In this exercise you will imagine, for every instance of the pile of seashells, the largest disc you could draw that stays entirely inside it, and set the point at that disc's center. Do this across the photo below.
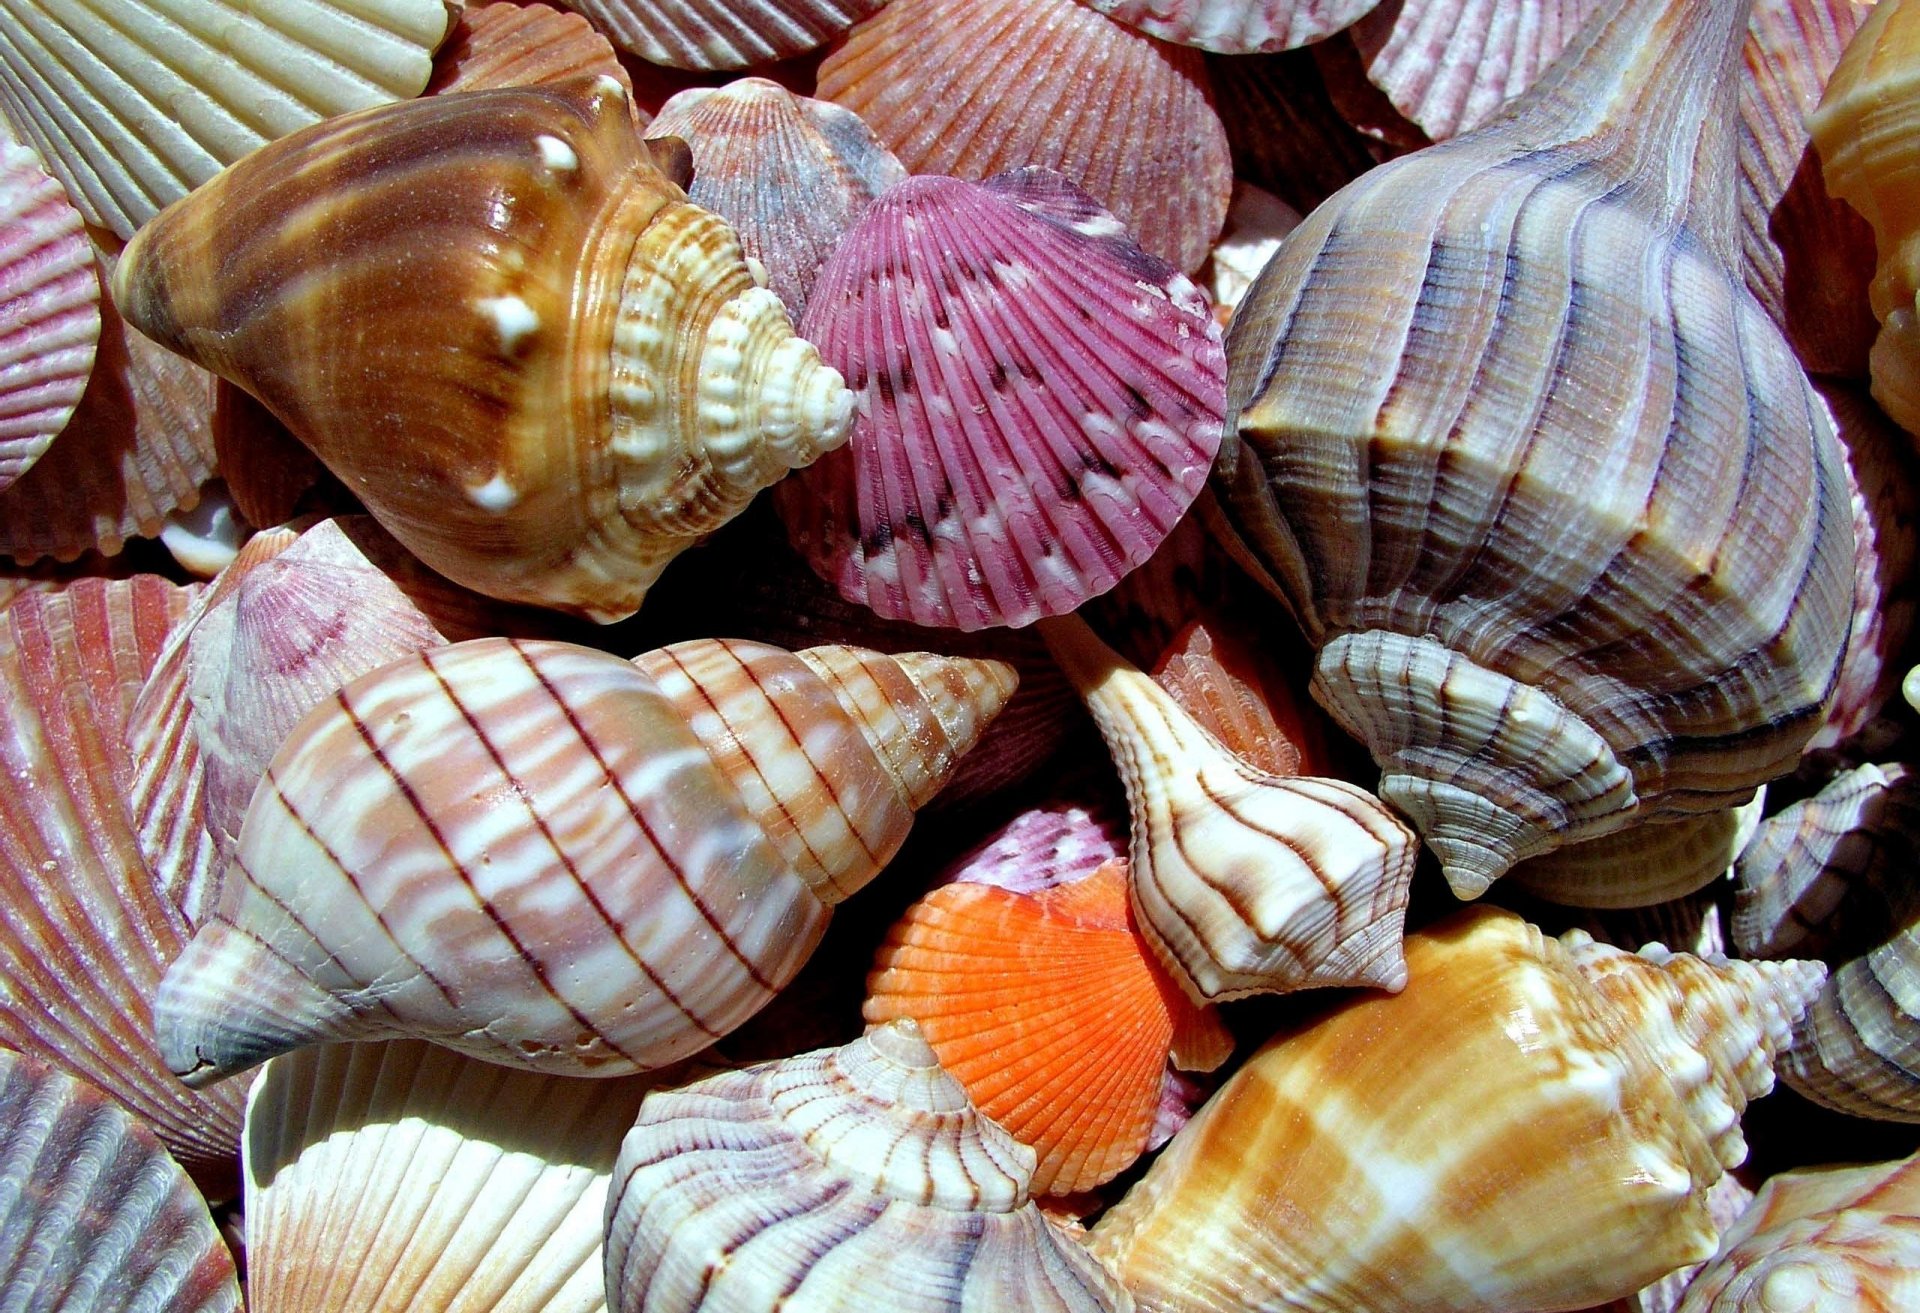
(421, 863)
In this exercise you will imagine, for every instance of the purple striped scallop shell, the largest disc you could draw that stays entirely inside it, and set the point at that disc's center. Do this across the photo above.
(49, 309)
(709, 34)
(1038, 401)
(1237, 27)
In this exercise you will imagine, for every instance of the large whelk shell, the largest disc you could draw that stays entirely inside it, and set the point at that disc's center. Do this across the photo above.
(85, 929)
(49, 309)
(709, 34)
(1243, 882)
(972, 88)
(1573, 545)
(1641, 865)
(1532, 1124)
(1039, 400)
(134, 112)
(790, 173)
(545, 856)
(844, 1179)
(1822, 1240)
(577, 377)
(94, 1216)
(401, 1178)
(1237, 27)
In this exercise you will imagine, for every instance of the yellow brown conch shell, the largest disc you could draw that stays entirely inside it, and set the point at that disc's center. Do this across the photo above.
(497, 319)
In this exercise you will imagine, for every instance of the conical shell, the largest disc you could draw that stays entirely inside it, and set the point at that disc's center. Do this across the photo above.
(1858, 1051)
(1573, 544)
(401, 1178)
(790, 173)
(511, 44)
(545, 856)
(973, 88)
(1644, 864)
(1823, 1240)
(843, 1179)
(1237, 27)
(94, 1216)
(605, 383)
(1528, 1126)
(1049, 1009)
(85, 929)
(711, 34)
(49, 309)
(1039, 400)
(135, 103)
(1243, 882)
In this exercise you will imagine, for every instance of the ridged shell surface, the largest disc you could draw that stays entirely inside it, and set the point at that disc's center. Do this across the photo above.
(577, 375)
(49, 309)
(1645, 864)
(95, 1217)
(1237, 27)
(545, 856)
(972, 88)
(133, 103)
(402, 1178)
(1532, 1124)
(790, 173)
(1572, 542)
(1038, 400)
(843, 1179)
(712, 34)
(1858, 1050)
(86, 930)
(521, 45)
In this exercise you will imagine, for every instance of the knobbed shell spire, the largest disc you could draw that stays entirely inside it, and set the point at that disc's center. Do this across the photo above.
(843, 1179)
(1244, 882)
(559, 372)
(545, 856)
(1545, 486)
(1532, 1124)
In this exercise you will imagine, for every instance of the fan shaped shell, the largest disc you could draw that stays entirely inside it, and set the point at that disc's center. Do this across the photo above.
(508, 44)
(1237, 27)
(713, 34)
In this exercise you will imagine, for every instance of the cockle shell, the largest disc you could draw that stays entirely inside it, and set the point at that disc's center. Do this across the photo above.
(1048, 83)
(844, 1179)
(1237, 27)
(86, 931)
(1532, 1124)
(1572, 549)
(1824, 1240)
(513, 44)
(1243, 882)
(94, 1216)
(1640, 865)
(402, 1178)
(135, 108)
(1039, 400)
(49, 309)
(711, 34)
(577, 377)
(545, 856)
(790, 173)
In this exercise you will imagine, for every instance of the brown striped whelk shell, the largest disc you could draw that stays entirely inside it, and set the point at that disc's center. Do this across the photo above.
(1237, 27)
(134, 112)
(604, 382)
(1533, 1124)
(1560, 570)
(1243, 882)
(94, 1215)
(545, 856)
(1046, 82)
(839, 1180)
(402, 1178)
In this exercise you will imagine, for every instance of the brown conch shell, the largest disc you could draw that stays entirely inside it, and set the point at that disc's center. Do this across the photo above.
(836, 1181)
(1573, 544)
(560, 373)
(545, 856)
(1533, 1124)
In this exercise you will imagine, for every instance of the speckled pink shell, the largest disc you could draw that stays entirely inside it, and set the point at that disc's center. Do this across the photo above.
(1237, 27)
(1038, 401)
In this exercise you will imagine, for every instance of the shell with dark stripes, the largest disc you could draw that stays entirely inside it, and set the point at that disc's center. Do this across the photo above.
(1538, 476)
(546, 856)
(843, 1179)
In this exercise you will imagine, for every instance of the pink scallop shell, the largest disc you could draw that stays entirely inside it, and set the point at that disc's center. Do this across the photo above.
(790, 173)
(971, 88)
(1038, 403)
(1237, 27)
(49, 310)
(709, 34)
(1058, 842)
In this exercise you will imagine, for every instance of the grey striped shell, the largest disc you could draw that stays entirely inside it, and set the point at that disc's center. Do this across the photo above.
(844, 1179)
(1544, 483)
(546, 856)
